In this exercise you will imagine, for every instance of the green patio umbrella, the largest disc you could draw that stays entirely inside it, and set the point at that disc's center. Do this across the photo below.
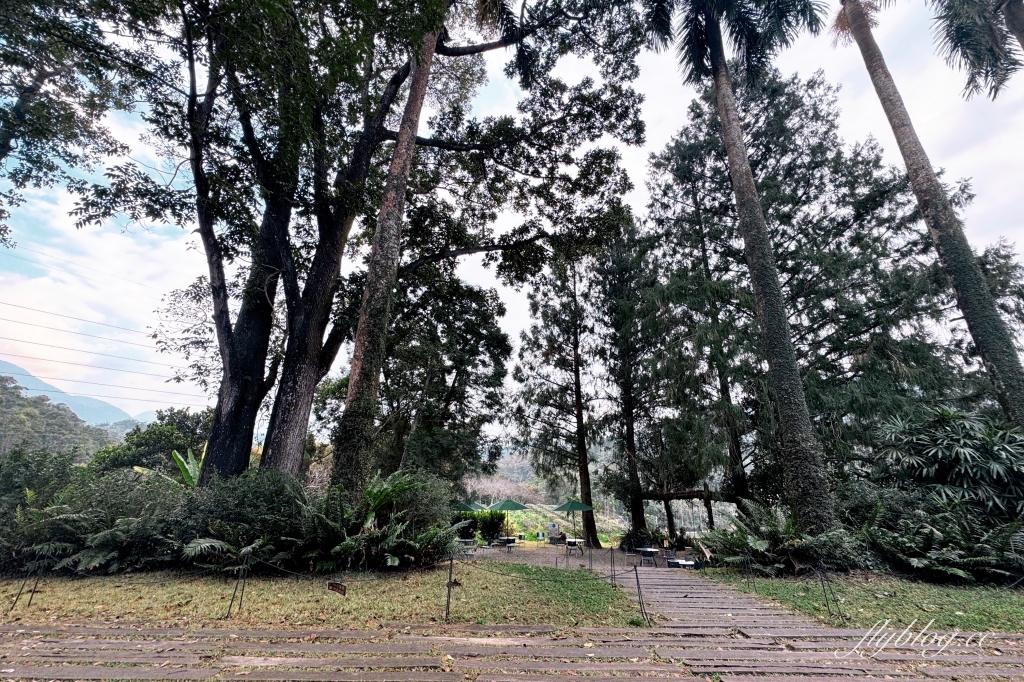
(573, 506)
(464, 507)
(477, 506)
(507, 506)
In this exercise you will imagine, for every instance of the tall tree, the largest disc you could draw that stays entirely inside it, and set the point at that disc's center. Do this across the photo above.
(758, 28)
(552, 26)
(988, 329)
(555, 412)
(622, 280)
(355, 430)
(858, 272)
(442, 381)
(282, 84)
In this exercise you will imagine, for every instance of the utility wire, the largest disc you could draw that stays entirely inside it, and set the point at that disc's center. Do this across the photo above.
(116, 397)
(82, 364)
(73, 274)
(68, 331)
(79, 319)
(96, 383)
(85, 267)
(89, 352)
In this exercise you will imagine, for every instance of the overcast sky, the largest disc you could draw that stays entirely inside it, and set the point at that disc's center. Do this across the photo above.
(106, 274)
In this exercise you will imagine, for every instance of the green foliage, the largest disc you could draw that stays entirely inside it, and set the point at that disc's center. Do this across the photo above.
(958, 457)
(767, 540)
(643, 537)
(122, 521)
(948, 541)
(391, 526)
(190, 467)
(30, 423)
(152, 447)
(35, 474)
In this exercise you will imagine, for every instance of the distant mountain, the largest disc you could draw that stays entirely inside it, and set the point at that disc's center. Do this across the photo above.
(35, 422)
(145, 417)
(89, 410)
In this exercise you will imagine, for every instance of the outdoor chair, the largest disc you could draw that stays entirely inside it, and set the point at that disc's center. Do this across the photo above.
(648, 556)
(510, 544)
(630, 554)
(670, 552)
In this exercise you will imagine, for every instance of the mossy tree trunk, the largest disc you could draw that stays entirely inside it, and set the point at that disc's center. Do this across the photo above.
(806, 484)
(991, 336)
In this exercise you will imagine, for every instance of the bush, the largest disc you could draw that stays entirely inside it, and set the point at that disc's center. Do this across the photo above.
(767, 540)
(82, 520)
(947, 540)
(490, 523)
(151, 447)
(469, 524)
(958, 457)
(36, 474)
(634, 538)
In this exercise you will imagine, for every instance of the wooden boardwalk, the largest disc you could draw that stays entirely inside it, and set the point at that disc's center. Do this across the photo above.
(703, 630)
(758, 642)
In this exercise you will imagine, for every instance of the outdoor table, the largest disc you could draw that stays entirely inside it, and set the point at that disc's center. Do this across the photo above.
(680, 563)
(574, 543)
(509, 542)
(648, 554)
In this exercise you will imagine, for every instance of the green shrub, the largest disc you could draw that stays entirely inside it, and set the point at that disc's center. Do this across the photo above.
(39, 473)
(633, 538)
(768, 541)
(958, 457)
(470, 524)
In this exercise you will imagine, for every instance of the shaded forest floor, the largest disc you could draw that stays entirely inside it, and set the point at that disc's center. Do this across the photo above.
(865, 598)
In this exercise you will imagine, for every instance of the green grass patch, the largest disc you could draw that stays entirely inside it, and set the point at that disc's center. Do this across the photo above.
(504, 593)
(866, 598)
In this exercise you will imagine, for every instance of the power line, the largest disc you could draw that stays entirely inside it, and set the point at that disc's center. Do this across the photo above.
(119, 397)
(68, 331)
(89, 352)
(73, 274)
(46, 312)
(95, 383)
(81, 364)
(85, 267)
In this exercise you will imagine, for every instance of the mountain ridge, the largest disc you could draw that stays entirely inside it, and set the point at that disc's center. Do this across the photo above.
(90, 410)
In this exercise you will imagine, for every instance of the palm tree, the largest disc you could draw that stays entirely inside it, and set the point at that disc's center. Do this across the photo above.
(977, 36)
(988, 330)
(758, 28)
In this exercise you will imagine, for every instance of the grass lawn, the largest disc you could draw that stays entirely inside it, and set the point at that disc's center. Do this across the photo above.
(867, 598)
(520, 595)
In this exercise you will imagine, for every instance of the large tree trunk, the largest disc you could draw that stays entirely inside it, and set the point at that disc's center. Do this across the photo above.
(243, 385)
(582, 459)
(806, 484)
(355, 430)
(1013, 14)
(670, 519)
(308, 355)
(988, 330)
(637, 518)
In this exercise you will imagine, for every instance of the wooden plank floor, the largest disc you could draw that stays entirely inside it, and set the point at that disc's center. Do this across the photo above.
(703, 630)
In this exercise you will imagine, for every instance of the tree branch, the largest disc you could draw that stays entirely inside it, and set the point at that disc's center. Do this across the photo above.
(465, 251)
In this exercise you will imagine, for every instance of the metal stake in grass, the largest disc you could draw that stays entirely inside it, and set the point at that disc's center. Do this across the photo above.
(640, 597)
(448, 603)
(239, 579)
